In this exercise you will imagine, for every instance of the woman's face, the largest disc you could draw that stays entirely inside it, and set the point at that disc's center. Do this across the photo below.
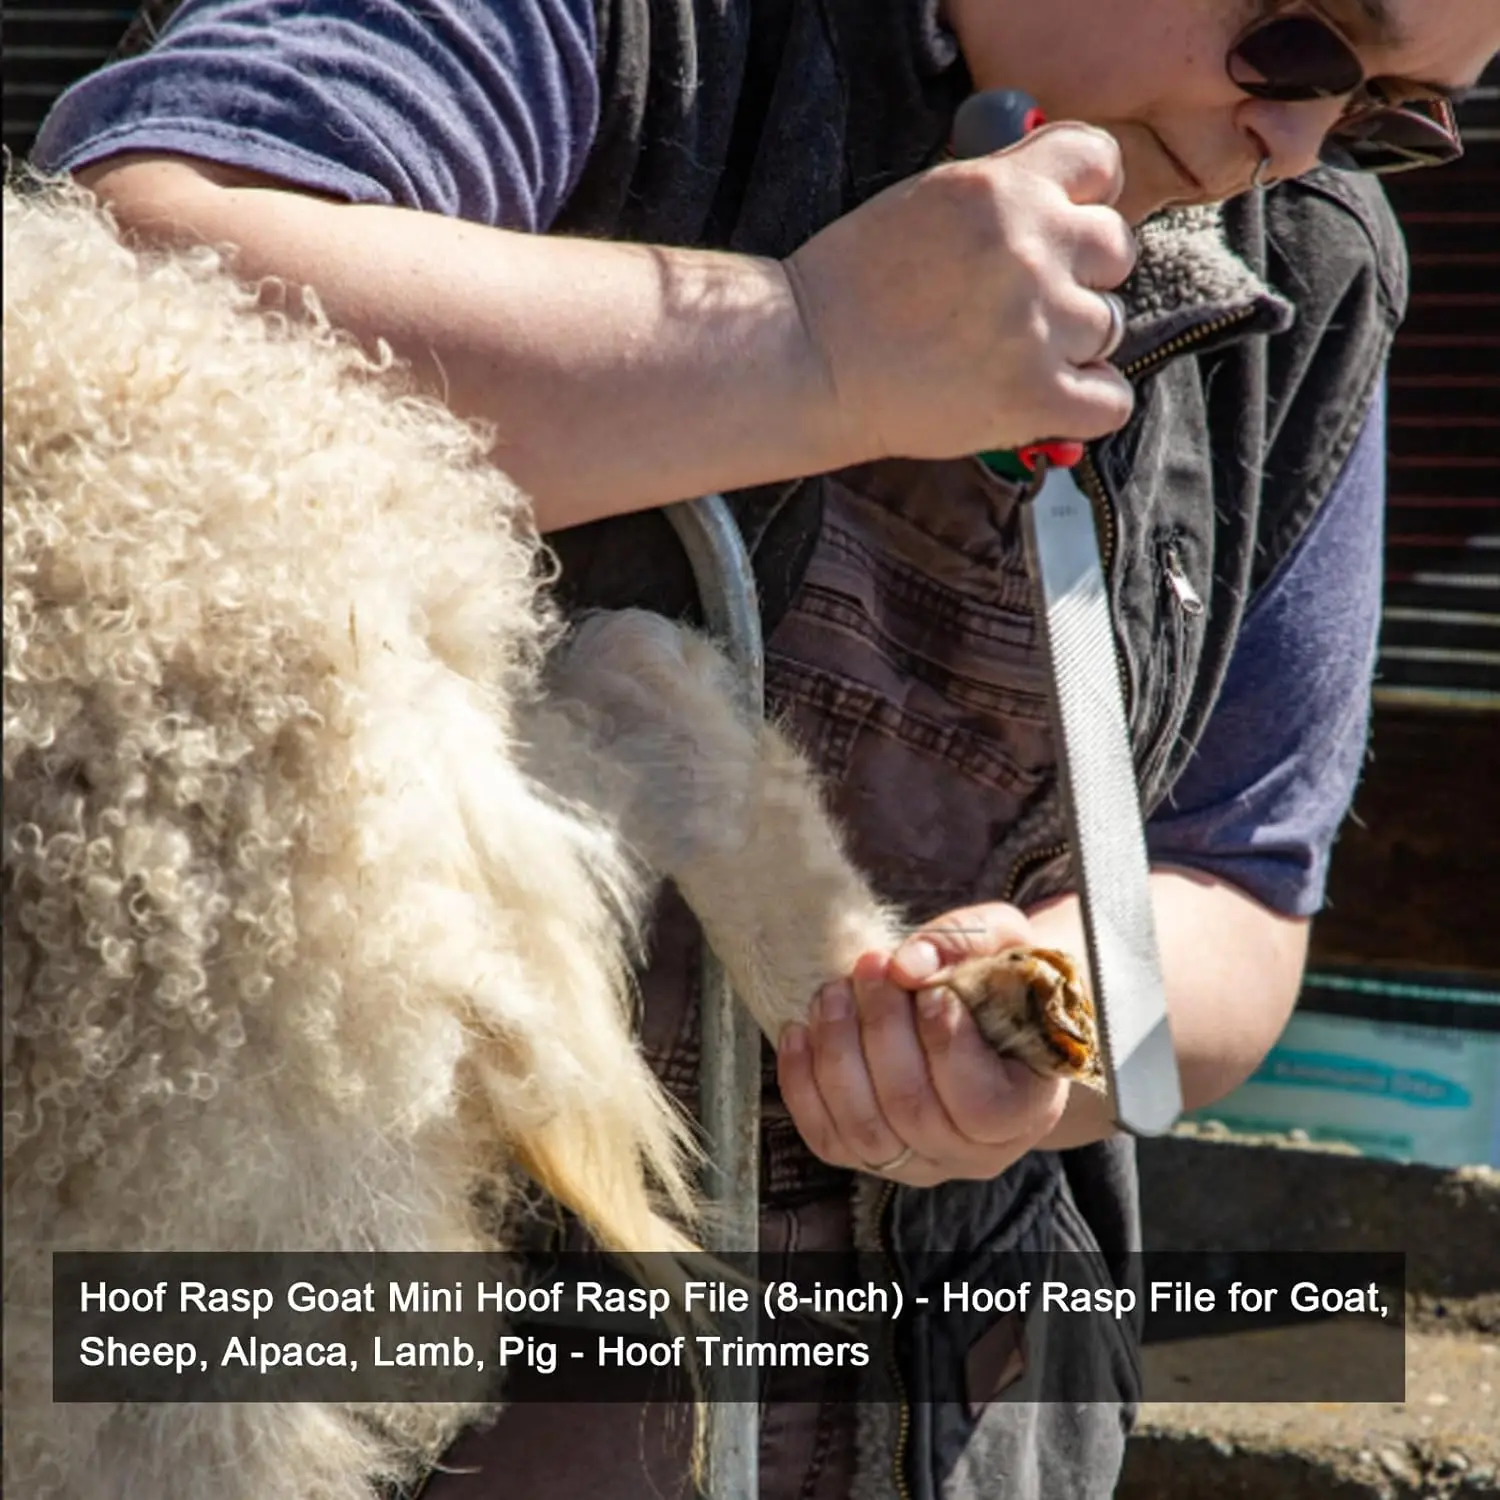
(1152, 72)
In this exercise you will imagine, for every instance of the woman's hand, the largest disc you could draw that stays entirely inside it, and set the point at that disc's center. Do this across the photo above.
(960, 310)
(892, 1078)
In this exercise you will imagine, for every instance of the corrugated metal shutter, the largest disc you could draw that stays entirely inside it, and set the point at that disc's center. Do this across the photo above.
(1441, 642)
(1413, 885)
(46, 48)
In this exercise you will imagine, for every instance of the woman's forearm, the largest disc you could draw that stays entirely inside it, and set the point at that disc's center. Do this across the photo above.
(1232, 967)
(955, 312)
(616, 377)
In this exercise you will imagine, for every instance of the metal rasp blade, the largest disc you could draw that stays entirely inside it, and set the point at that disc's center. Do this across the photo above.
(1101, 804)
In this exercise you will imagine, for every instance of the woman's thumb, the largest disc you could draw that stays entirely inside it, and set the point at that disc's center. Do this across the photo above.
(970, 932)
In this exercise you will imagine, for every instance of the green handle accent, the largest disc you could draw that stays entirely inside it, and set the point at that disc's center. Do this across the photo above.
(1005, 463)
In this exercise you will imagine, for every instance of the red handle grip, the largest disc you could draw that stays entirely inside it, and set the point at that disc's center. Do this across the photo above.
(1060, 454)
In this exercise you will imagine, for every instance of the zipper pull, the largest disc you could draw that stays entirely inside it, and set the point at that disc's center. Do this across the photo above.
(1180, 584)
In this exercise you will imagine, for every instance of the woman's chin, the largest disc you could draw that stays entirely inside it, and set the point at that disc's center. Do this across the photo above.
(1154, 179)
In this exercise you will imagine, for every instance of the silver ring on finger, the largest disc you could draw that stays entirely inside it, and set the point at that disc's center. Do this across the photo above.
(893, 1165)
(1116, 336)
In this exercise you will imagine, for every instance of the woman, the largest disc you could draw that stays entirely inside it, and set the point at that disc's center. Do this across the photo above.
(668, 250)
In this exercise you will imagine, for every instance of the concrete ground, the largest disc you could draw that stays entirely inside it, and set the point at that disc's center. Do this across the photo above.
(1441, 1443)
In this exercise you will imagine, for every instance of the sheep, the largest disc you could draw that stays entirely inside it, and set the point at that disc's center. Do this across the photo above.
(328, 843)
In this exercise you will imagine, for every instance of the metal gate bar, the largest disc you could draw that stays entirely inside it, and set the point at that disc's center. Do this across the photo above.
(729, 1080)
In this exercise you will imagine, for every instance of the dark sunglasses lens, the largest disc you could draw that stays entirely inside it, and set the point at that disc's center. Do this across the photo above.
(1294, 58)
(1390, 140)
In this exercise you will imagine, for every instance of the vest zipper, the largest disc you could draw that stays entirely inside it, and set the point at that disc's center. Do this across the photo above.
(1104, 520)
(1170, 644)
(1093, 486)
(903, 1430)
(1188, 598)
(1185, 341)
(1026, 863)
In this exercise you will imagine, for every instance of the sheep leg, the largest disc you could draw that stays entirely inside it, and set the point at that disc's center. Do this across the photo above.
(723, 806)
(732, 813)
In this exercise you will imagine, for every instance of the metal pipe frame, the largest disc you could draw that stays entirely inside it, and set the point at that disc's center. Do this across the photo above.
(729, 1080)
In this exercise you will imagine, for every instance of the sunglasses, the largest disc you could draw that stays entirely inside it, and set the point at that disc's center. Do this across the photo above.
(1387, 126)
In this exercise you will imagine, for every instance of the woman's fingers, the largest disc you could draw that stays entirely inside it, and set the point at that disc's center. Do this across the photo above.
(968, 932)
(949, 314)
(990, 1099)
(848, 1126)
(897, 1065)
(799, 1092)
(880, 1078)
